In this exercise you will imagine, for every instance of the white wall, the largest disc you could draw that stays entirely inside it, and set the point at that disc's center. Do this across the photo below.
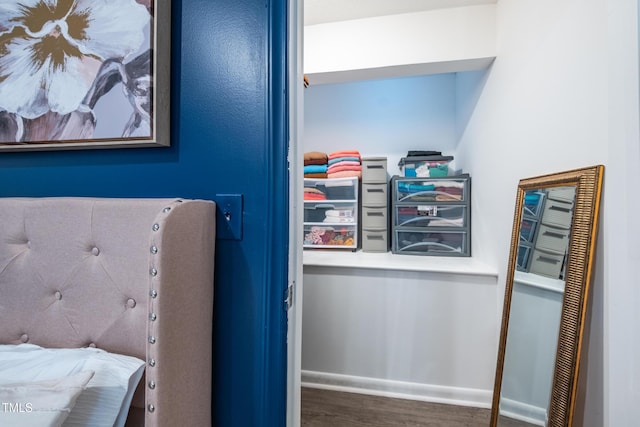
(382, 117)
(430, 336)
(563, 93)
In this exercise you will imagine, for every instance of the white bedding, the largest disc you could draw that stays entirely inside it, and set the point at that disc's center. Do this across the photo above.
(41, 403)
(105, 400)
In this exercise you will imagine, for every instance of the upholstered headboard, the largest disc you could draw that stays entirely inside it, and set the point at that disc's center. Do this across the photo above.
(130, 276)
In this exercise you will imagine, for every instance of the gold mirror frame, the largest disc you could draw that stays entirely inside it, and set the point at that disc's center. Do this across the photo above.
(588, 183)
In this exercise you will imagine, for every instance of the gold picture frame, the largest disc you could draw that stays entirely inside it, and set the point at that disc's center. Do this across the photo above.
(579, 266)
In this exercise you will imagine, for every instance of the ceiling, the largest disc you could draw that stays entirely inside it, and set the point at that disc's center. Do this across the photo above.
(323, 11)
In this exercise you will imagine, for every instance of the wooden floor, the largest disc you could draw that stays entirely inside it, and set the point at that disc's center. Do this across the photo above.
(338, 409)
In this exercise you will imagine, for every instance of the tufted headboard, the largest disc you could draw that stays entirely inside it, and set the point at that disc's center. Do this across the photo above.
(130, 276)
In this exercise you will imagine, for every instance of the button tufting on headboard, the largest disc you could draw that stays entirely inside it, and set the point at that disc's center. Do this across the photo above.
(24, 338)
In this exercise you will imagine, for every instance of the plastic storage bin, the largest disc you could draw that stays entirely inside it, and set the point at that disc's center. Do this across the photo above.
(425, 167)
(332, 223)
(375, 205)
(431, 242)
(431, 216)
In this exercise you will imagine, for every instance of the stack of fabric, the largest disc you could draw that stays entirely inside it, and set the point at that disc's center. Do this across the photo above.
(312, 193)
(344, 164)
(315, 164)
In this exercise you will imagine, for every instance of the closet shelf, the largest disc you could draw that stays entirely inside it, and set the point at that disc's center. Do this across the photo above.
(390, 261)
(540, 282)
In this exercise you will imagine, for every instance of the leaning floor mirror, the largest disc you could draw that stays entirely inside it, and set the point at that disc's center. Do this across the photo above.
(547, 287)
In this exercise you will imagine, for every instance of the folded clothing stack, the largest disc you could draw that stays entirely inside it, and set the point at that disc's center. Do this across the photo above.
(431, 191)
(339, 216)
(344, 164)
(312, 193)
(315, 164)
(425, 164)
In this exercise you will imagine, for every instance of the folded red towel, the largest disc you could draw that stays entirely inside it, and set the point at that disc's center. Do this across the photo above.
(344, 153)
(339, 168)
(345, 174)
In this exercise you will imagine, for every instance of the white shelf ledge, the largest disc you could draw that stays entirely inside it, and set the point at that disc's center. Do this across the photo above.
(540, 282)
(389, 261)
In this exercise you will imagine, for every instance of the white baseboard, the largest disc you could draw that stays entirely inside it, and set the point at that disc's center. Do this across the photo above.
(398, 389)
(523, 412)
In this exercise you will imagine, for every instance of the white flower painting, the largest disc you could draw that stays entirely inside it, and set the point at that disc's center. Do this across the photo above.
(75, 71)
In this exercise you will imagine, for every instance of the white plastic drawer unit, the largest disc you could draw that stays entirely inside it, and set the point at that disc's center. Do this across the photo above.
(334, 212)
(420, 190)
(330, 236)
(430, 242)
(331, 189)
(374, 169)
(557, 213)
(374, 194)
(375, 240)
(563, 194)
(438, 215)
(552, 238)
(547, 263)
(331, 213)
(374, 217)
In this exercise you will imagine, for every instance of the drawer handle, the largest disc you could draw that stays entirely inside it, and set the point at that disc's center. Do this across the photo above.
(375, 167)
(375, 238)
(552, 234)
(559, 208)
(375, 214)
(548, 260)
(375, 190)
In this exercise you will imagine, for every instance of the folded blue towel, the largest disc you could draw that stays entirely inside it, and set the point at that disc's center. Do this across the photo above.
(411, 187)
(315, 169)
(343, 159)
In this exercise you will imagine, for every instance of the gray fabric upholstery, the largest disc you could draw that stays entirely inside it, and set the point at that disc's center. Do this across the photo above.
(81, 272)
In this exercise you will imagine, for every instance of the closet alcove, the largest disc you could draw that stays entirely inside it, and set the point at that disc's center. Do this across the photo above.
(417, 327)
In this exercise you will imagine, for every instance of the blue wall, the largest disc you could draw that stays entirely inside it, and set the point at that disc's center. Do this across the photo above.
(228, 136)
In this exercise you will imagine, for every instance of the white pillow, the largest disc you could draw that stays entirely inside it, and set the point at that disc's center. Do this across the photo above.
(106, 399)
(41, 403)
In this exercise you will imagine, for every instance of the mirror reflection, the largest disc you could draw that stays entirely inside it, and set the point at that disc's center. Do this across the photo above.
(546, 292)
(536, 305)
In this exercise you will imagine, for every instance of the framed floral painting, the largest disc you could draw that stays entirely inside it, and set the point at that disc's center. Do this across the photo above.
(78, 74)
